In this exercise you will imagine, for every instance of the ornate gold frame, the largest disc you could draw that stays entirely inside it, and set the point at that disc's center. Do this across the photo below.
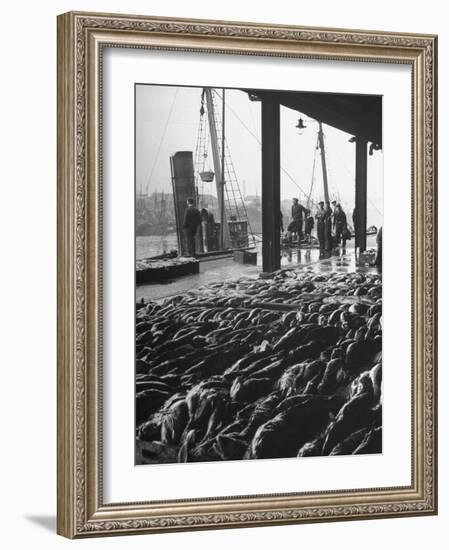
(81, 37)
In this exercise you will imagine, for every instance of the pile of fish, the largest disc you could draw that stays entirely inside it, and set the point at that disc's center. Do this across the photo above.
(162, 263)
(261, 368)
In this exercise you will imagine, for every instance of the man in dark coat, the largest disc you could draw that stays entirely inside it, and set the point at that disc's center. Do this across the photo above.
(192, 220)
(328, 240)
(295, 226)
(320, 217)
(308, 226)
(378, 260)
(340, 225)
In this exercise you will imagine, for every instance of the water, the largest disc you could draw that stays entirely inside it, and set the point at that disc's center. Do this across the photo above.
(153, 245)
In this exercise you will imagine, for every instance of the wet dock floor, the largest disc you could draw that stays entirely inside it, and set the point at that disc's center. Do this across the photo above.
(222, 269)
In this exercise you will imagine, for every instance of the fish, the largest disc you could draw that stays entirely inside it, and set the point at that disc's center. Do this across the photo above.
(371, 444)
(230, 446)
(249, 390)
(289, 379)
(358, 352)
(307, 351)
(148, 402)
(355, 414)
(335, 316)
(272, 371)
(329, 381)
(375, 308)
(150, 430)
(259, 364)
(350, 444)
(312, 370)
(174, 421)
(291, 337)
(150, 452)
(260, 413)
(228, 358)
(245, 361)
(376, 379)
(152, 385)
(236, 426)
(311, 448)
(145, 337)
(187, 443)
(358, 308)
(284, 434)
(289, 319)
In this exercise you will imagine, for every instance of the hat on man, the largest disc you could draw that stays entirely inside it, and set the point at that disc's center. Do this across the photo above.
(295, 199)
(321, 202)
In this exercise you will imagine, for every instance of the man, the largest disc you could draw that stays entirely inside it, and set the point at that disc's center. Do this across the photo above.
(192, 220)
(320, 217)
(308, 226)
(295, 225)
(340, 225)
(378, 260)
(355, 226)
(328, 240)
(204, 229)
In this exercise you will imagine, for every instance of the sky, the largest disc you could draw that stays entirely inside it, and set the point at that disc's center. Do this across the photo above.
(167, 120)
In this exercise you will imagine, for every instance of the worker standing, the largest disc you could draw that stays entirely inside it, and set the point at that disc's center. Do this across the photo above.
(295, 225)
(205, 229)
(320, 217)
(328, 240)
(308, 226)
(340, 225)
(378, 260)
(192, 220)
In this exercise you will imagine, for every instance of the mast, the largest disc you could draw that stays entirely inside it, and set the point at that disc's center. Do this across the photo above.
(222, 183)
(323, 162)
(218, 167)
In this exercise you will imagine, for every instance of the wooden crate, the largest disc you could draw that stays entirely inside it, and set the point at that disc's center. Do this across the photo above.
(245, 257)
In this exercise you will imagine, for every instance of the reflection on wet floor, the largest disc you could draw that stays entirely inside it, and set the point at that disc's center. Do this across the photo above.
(342, 260)
(295, 256)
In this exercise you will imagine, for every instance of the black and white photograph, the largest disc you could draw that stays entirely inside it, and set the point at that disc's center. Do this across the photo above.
(258, 274)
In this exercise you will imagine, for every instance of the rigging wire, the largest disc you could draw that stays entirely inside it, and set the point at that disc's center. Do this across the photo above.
(313, 173)
(369, 199)
(259, 142)
(162, 139)
(375, 207)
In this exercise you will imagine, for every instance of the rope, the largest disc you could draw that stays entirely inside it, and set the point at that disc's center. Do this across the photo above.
(162, 139)
(370, 201)
(259, 142)
(313, 174)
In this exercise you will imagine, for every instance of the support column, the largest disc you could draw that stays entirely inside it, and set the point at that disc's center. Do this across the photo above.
(271, 186)
(361, 147)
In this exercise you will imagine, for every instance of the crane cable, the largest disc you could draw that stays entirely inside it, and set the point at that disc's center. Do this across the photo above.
(259, 142)
(162, 138)
(313, 174)
(371, 202)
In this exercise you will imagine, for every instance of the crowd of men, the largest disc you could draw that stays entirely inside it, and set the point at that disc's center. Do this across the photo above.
(331, 224)
(195, 220)
(330, 219)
